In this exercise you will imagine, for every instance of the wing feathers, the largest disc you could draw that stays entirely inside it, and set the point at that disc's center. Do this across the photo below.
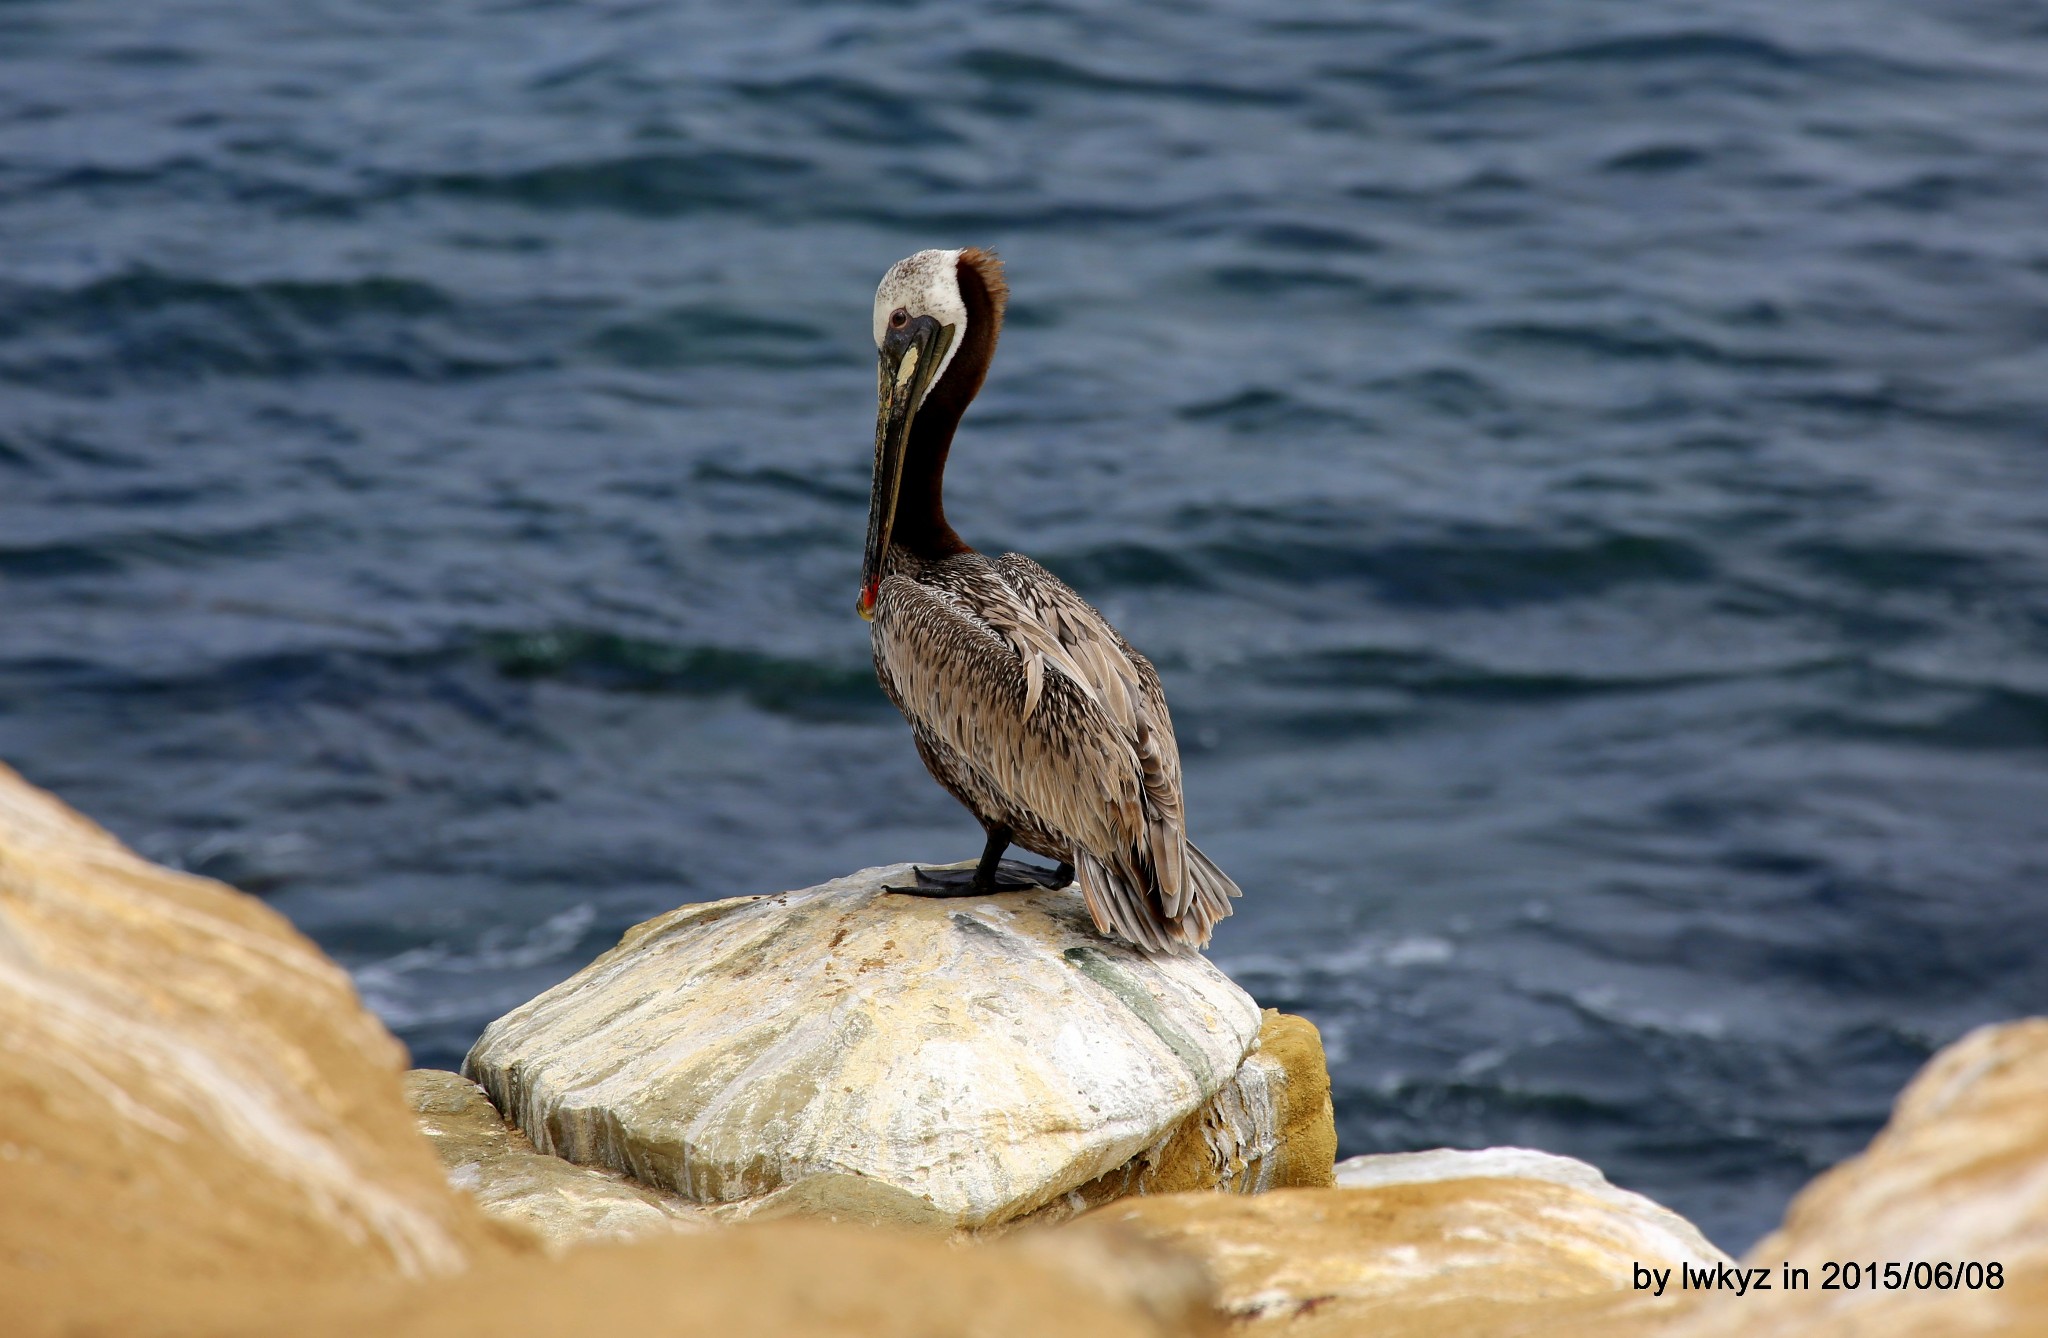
(1034, 682)
(1037, 694)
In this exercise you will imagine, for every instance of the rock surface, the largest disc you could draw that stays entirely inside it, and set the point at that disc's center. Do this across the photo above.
(1436, 1242)
(845, 1051)
(559, 1202)
(1270, 1127)
(800, 1279)
(1959, 1175)
(199, 1114)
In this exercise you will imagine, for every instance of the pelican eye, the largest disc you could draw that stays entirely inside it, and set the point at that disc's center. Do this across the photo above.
(899, 318)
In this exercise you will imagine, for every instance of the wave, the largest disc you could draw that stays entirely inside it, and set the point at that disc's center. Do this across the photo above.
(1262, 410)
(135, 549)
(1662, 48)
(767, 477)
(594, 659)
(436, 984)
(1427, 674)
(1642, 339)
(151, 326)
(1314, 238)
(1473, 569)
(1451, 390)
(1880, 567)
(143, 290)
(653, 185)
(616, 662)
(1657, 159)
(701, 336)
(1125, 566)
(1292, 283)
(1723, 53)
(1016, 71)
(852, 110)
(1966, 718)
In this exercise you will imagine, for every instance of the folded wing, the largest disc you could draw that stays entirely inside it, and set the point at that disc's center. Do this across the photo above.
(1025, 681)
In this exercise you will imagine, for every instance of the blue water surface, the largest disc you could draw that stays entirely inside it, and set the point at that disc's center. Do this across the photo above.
(1582, 470)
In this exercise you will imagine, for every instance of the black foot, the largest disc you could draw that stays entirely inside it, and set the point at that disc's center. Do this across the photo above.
(1010, 876)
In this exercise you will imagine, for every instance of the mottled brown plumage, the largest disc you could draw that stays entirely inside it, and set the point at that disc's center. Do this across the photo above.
(1024, 702)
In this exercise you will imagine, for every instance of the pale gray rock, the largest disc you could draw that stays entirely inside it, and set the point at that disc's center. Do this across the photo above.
(1653, 1230)
(850, 1052)
(560, 1202)
(1417, 1168)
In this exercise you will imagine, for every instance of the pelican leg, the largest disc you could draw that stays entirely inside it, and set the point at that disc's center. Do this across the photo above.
(992, 874)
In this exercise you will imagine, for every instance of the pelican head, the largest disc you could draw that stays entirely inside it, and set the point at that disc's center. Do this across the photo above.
(920, 320)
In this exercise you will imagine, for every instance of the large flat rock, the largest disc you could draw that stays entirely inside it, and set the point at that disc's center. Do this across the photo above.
(1270, 1127)
(850, 1052)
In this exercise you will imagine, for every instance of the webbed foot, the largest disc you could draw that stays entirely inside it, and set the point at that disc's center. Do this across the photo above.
(1009, 876)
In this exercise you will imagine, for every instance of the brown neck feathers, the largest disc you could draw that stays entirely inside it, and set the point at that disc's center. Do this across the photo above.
(921, 508)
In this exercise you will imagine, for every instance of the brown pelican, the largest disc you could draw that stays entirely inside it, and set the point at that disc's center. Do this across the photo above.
(1024, 701)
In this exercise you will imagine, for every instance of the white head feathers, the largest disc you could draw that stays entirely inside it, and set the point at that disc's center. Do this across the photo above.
(926, 284)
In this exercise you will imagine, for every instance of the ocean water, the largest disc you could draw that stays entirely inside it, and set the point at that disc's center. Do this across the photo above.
(1581, 469)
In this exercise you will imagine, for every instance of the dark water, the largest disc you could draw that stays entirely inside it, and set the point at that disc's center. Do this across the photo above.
(1582, 470)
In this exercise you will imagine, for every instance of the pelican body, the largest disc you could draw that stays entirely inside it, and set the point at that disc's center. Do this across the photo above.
(1024, 702)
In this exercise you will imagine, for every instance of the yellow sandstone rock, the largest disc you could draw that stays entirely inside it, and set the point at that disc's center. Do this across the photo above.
(1271, 1127)
(1959, 1176)
(1494, 1242)
(1513, 1244)
(790, 1279)
(1281, 1096)
(199, 1116)
(561, 1203)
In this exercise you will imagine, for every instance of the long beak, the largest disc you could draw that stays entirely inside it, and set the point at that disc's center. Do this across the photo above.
(908, 357)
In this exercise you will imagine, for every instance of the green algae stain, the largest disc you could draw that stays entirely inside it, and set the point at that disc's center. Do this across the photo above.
(1105, 973)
